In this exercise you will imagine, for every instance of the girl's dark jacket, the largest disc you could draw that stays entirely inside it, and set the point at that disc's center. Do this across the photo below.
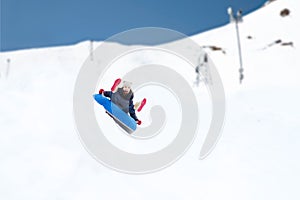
(123, 101)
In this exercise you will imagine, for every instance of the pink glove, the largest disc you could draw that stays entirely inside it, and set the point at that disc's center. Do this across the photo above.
(101, 91)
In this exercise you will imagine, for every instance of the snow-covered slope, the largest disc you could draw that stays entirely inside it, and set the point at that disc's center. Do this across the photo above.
(256, 158)
(261, 55)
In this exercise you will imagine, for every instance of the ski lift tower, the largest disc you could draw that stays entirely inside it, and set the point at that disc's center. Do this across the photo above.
(237, 19)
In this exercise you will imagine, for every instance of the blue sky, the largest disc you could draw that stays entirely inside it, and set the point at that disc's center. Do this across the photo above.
(43, 23)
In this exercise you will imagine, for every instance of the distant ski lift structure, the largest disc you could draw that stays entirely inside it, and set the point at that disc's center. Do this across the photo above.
(91, 50)
(7, 68)
(237, 19)
(202, 69)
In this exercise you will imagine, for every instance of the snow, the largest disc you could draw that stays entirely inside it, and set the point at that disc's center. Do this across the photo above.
(256, 158)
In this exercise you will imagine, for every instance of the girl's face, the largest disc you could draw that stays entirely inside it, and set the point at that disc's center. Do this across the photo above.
(126, 89)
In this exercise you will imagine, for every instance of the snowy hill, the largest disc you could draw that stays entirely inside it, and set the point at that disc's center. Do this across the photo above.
(256, 158)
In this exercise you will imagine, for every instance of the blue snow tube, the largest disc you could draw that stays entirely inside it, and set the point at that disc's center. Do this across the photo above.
(122, 119)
